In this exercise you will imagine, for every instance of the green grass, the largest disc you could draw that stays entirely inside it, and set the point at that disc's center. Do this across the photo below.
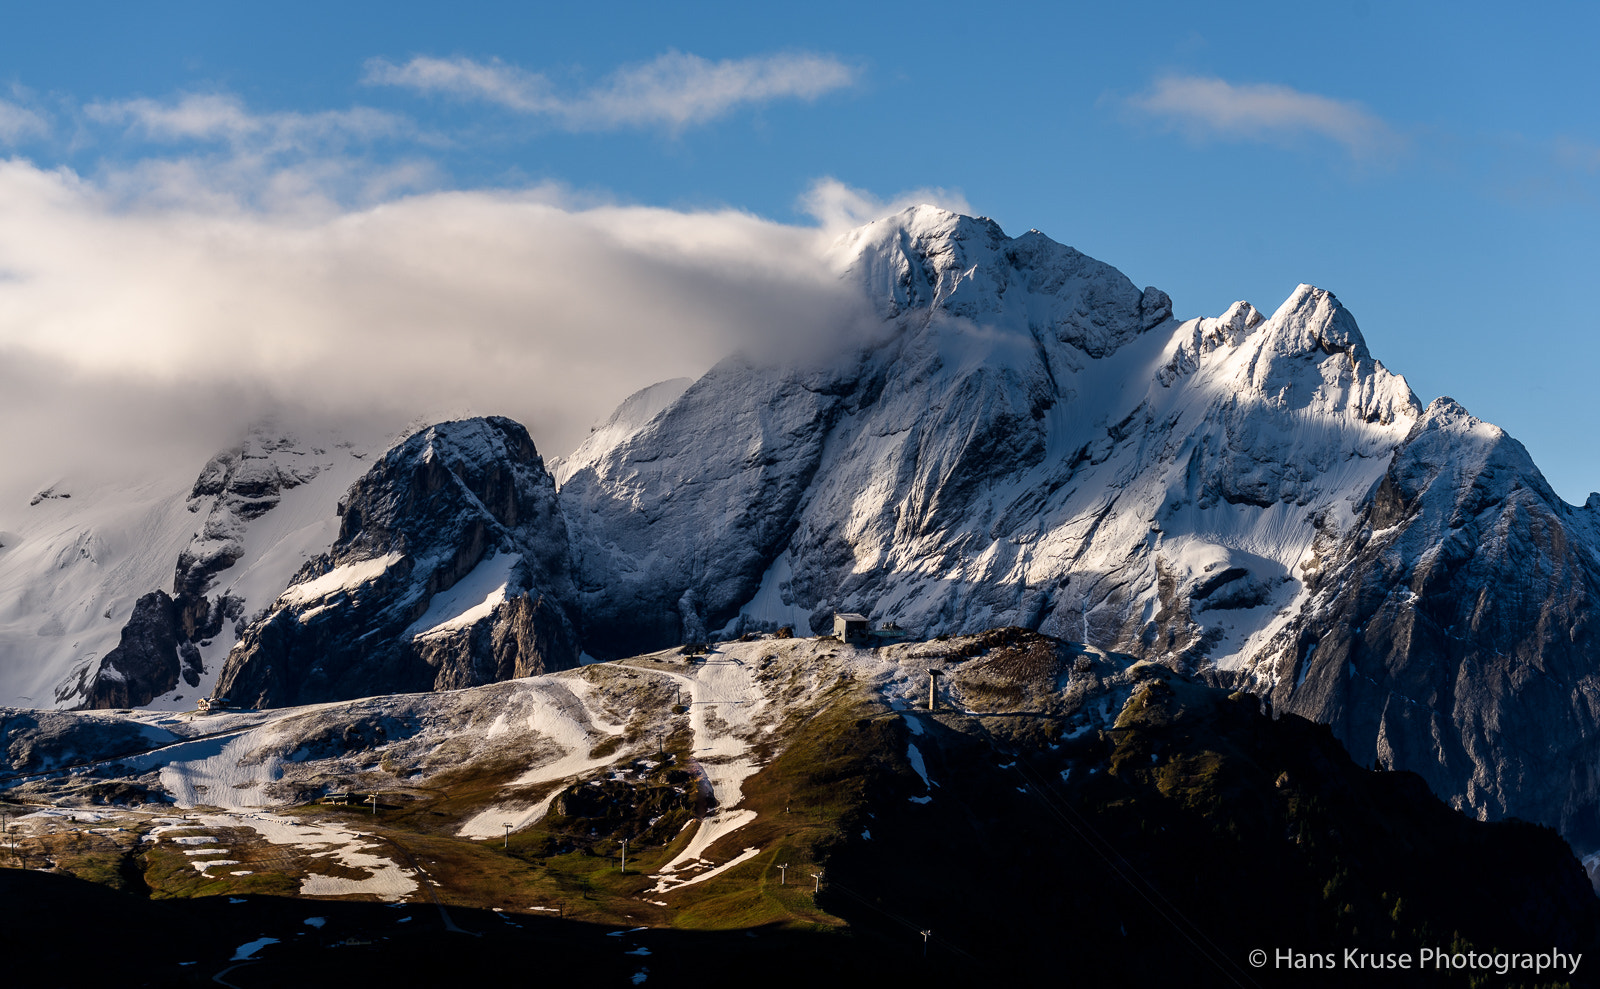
(103, 867)
(169, 875)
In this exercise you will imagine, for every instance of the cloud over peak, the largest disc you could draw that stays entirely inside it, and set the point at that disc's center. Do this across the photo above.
(674, 90)
(837, 207)
(137, 315)
(1205, 106)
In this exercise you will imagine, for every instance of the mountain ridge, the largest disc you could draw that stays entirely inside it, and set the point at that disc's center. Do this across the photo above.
(1026, 438)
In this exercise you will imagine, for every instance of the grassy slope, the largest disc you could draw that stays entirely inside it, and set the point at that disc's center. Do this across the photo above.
(1164, 848)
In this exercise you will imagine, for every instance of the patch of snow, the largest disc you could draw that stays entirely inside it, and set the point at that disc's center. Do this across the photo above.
(352, 849)
(722, 685)
(914, 757)
(558, 713)
(219, 772)
(669, 883)
(471, 599)
(339, 579)
(248, 950)
(768, 604)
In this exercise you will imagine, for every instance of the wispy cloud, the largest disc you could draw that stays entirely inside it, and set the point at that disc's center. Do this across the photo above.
(1205, 106)
(223, 117)
(837, 206)
(18, 123)
(492, 81)
(674, 90)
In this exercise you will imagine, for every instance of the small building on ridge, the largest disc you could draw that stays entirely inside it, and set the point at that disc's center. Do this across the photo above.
(848, 625)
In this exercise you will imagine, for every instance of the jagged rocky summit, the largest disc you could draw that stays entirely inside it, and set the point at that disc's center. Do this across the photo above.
(1020, 437)
(451, 569)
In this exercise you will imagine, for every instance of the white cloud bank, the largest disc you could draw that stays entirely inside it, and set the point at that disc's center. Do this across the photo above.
(1204, 106)
(151, 329)
(675, 89)
(241, 263)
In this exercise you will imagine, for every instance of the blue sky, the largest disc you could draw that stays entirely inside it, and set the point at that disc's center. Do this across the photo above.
(1433, 165)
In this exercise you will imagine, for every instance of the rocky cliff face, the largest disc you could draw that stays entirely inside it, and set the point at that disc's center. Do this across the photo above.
(451, 569)
(1451, 629)
(149, 659)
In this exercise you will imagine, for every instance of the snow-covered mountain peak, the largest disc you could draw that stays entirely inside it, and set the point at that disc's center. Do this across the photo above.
(1312, 320)
(925, 225)
(1476, 460)
(477, 440)
(1240, 319)
(1308, 358)
(932, 261)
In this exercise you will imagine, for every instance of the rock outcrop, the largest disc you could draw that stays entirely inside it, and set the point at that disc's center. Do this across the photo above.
(148, 661)
(451, 569)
